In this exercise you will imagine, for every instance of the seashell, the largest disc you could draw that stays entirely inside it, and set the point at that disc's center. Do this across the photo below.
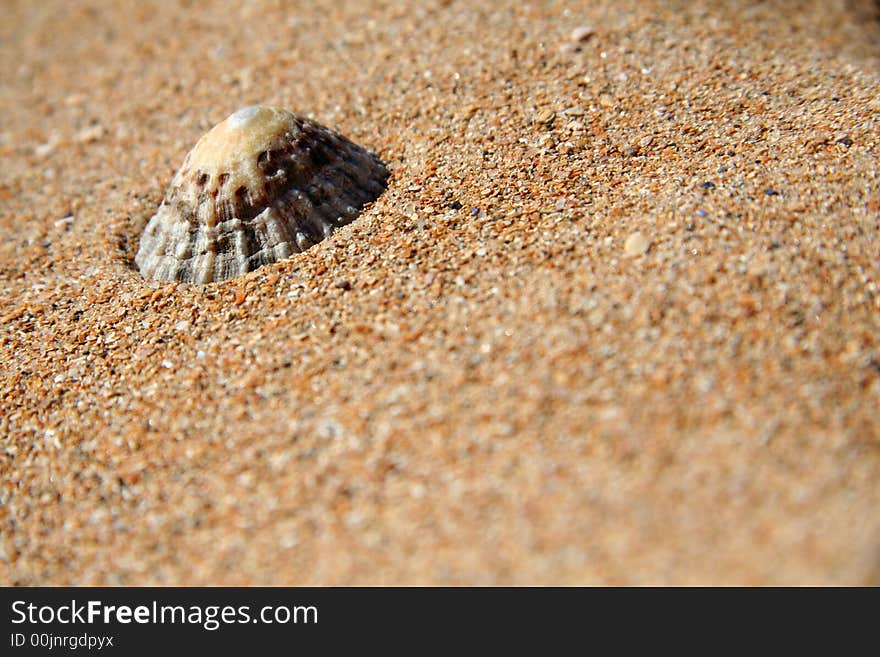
(258, 187)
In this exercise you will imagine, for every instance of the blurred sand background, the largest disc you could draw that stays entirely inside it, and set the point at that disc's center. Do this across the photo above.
(481, 380)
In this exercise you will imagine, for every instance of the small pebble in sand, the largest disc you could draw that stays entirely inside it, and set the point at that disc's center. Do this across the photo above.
(545, 117)
(581, 34)
(42, 150)
(88, 135)
(636, 244)
(260, 186)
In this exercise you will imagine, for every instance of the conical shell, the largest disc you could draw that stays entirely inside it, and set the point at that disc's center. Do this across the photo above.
(260, 186)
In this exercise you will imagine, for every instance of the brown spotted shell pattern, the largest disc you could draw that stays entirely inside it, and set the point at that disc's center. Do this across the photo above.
(260, 186)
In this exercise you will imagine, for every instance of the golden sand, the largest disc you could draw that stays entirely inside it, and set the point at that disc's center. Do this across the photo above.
(473, 383)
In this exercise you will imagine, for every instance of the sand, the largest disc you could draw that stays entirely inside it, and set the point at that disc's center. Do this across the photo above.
(616, 319)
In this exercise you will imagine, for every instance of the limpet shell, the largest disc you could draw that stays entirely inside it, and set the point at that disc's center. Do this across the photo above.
(258, 187)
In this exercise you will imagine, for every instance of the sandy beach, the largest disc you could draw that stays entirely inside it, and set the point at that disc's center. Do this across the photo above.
(615, 319)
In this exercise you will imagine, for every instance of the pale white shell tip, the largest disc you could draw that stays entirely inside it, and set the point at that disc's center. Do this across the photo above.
(242, 116)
